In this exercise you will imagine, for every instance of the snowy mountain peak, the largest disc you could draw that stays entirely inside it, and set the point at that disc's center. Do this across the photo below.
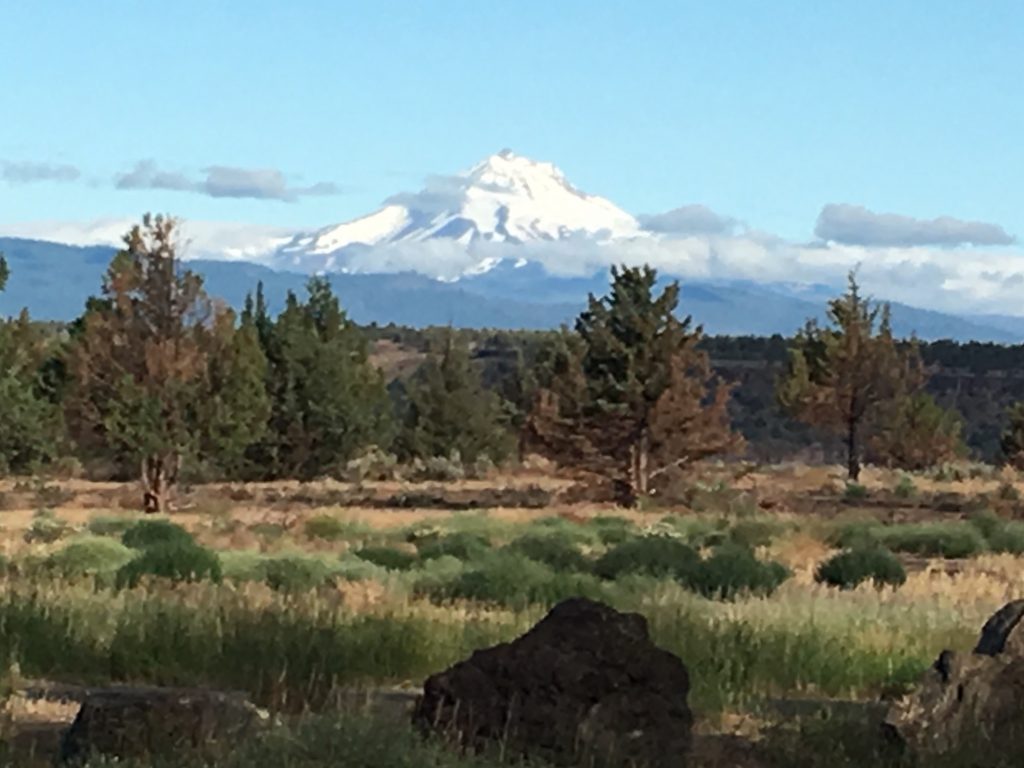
(506, 198)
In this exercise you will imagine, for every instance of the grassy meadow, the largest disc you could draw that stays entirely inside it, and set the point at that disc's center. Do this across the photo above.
(294, 595)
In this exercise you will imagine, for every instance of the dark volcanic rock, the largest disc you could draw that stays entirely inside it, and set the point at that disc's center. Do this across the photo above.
(584, 685)
(970, 701)
(140, 722)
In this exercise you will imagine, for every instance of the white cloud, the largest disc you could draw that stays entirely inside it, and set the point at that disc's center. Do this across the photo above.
(200, 239)
(222, 181)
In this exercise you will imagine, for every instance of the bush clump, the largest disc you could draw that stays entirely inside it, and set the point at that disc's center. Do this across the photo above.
(854, 566)
(326, 528)
(732, 570)
(505, 579)
(156, 533)
(175, 561)
(46, 528)
(854, 492)
(659, 556)
(110, 525)
(935, 539)
(90, 555)
(464, 545)
(905, 488)
(612, 529)
(295, 573)
(556, 550)
(388, 557)
(1003, 536)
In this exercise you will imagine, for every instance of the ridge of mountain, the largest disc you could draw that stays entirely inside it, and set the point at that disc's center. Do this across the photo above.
(53, 280)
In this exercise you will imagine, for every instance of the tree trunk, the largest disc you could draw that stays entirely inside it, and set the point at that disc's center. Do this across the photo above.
(852, 451)
(643, 453)
(158, 476)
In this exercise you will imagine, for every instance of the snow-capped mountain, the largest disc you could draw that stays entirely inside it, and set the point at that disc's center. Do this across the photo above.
(504, 199)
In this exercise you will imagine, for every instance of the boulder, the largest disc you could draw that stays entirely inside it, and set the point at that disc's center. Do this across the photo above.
(970, 701)
(142, 722)
(585, 685)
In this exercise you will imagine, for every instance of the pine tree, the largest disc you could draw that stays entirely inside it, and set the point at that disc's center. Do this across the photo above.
(840, 376)
(449, 411)
(1012, 442)
(632, 396)
(139, 362)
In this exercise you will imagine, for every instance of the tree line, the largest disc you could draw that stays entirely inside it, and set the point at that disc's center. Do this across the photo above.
(157, 380)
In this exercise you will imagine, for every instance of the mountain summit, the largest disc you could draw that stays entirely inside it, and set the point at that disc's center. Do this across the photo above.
(506, 198)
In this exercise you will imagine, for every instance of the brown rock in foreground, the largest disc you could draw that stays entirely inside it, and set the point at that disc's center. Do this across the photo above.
(142, 722)
(585, 685)
(970, 701)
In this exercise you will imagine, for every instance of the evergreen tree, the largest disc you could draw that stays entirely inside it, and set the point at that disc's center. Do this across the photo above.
(1012, 442)
(449, 411)
(632, 396)
(840, 377)
(328, 402)
(238, 408)
(914, 432)
(29, 424)
(138, 365)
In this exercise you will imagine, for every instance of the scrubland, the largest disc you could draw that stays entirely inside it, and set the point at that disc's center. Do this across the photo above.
(306, 595)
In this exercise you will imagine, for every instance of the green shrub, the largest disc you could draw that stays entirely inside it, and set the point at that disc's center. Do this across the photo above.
(856, 534)
(326, 528)
(46, 528)
(388, 557)
(1002, 536)
(110, 525)
(732, 570)
(934, 539)
(464, 545)
(506, 579)
(555, 549)
(437, 576)
(241, 565)
(659, 556)
(581, 534)
(612, 529)
(151, 533)
(90, 555)
(176, 561)
(295, 573)
(854, 492)
(905, 488)
(351, 567)
(854, 566)
(755, 533)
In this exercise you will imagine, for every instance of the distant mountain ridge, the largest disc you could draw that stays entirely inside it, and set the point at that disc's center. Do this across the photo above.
(53, 281)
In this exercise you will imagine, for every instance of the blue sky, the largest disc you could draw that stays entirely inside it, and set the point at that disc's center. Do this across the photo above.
(762, 111)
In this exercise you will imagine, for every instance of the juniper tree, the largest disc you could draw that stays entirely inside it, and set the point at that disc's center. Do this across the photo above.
(29, 429)
(449, 411)
(139, 362)
(632, 395)
(328, 401)
(914, 432)
(840, 375)
(238, 407)
(1012, 442)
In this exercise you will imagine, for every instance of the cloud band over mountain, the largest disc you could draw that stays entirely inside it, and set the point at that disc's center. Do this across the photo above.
(222, 181)
(856, 225)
